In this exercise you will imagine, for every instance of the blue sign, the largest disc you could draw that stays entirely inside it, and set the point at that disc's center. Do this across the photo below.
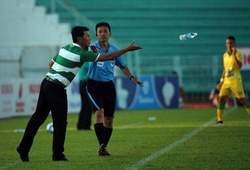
(157, 92)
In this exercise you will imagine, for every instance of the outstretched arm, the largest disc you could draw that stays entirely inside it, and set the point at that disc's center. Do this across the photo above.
(115, 54)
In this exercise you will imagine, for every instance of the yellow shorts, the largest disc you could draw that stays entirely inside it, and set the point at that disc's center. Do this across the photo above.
(232, 85)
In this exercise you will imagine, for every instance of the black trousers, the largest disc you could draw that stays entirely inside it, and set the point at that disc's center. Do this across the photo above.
(85, 114)
(52, 97)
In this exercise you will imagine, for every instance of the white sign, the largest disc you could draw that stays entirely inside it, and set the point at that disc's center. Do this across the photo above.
(18, 97)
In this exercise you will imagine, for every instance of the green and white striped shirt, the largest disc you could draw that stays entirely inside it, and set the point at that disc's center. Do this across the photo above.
(68, 62)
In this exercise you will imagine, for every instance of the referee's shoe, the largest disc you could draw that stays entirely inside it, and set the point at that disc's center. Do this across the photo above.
(103, 151)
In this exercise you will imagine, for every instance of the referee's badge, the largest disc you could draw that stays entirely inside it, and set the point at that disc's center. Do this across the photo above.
(100, 63)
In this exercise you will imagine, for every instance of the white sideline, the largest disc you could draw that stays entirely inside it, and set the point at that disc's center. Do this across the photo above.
(178, 142)
(131, 125)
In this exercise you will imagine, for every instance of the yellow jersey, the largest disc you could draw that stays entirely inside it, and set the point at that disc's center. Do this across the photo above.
(230, 65)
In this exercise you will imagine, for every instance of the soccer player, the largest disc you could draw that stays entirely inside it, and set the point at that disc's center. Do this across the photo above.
(101, 89)
(214, 95)
(53, 97)
(231, 81)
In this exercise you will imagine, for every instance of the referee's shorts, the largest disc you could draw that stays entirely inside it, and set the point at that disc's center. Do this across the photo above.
(102, 95)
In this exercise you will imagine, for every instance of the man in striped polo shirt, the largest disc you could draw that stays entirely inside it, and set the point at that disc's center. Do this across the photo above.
(52, 97)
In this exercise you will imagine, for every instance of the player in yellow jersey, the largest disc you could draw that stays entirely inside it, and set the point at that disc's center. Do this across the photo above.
(231, 81)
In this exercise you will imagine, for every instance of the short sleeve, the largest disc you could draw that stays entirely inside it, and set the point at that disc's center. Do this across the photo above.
(89, 56)
(120, 62)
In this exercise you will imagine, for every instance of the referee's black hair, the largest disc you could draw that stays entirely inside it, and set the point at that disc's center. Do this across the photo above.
(102, 24)
(231, 38)
(78, 31)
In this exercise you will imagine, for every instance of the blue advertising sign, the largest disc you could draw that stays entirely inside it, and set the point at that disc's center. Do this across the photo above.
(157, 92)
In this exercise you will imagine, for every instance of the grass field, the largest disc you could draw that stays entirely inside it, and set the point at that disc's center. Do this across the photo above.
(177, 139)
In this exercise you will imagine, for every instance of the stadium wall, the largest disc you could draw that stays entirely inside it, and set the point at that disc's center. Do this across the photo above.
(18, 97)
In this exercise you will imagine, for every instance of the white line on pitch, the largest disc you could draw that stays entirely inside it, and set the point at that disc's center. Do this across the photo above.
(131, 125)
(178, 142)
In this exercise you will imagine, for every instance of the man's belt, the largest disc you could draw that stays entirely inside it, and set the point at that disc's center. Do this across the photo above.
(55, 81)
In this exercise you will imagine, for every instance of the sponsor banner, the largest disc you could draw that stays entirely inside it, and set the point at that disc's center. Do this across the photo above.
(245, 57)
(6, 99)
(18, 97)
(157, 92)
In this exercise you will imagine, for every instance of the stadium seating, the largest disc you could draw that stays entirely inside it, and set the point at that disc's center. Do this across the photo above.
(28, 34)
(156, 25)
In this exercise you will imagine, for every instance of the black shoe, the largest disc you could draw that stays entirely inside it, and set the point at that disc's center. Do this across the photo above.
(24, 156)
(103, 153)
(59, 158)
(219, 123)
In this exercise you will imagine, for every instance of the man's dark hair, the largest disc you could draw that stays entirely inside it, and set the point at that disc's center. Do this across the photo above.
(231, 38)
(102, 24)
(78, 31)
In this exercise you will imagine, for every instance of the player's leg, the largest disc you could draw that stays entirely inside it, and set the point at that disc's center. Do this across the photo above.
(220, 109)
(109, 110)
(36, 120)
(98, 125)
(82, 88)
(247, 106)
(238, 92)
(108, 129)
(57, 97)
(108, 125)
(243, 101)
(96, 102)
(223, 96)
(85, 114)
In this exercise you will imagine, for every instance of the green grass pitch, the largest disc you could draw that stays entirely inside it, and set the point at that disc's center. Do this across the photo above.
(176, 139)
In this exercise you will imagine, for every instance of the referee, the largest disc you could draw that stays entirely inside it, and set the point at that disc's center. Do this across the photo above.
(101, 89)
(52, 97)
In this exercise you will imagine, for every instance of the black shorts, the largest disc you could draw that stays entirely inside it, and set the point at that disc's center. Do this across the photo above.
(102, 95)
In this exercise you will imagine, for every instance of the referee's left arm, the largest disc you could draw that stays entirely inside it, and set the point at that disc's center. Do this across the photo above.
(127, 72)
